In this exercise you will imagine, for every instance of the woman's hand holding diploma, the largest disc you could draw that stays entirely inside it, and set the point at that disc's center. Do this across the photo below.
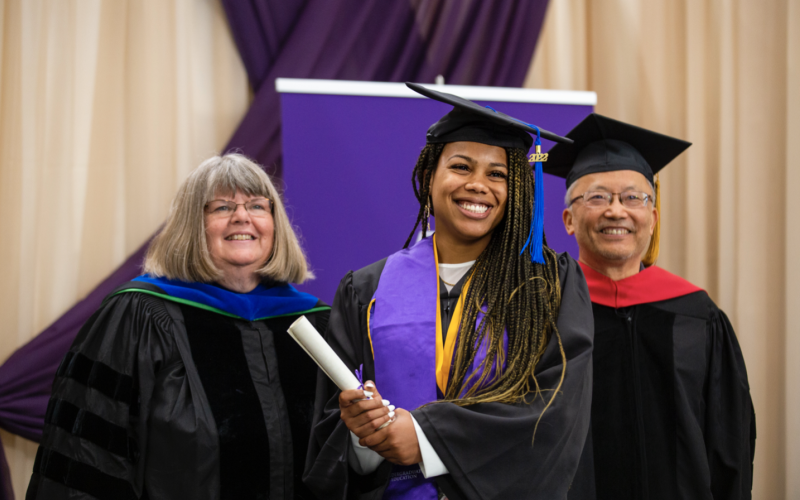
(363, 411)
(361, 415)
(396, 443)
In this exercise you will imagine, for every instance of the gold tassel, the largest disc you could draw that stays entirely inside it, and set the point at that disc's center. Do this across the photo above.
(651, 256)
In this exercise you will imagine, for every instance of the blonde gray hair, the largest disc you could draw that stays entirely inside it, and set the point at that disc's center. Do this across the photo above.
(180, 250)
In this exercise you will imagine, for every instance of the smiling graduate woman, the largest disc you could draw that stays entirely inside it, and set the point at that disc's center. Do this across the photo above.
(475, 343)
(184, 384)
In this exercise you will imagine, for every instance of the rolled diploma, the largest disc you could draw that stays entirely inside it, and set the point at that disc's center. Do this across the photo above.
(304, 333)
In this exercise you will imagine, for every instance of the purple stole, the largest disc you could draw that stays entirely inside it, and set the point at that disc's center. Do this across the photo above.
(403, 334)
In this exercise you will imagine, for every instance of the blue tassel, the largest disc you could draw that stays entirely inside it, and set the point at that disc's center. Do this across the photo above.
(537, 221)
(537, 225)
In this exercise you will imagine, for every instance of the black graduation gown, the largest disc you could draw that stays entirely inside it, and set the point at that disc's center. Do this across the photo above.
(161, 400)
(486, 447)
(671, 413)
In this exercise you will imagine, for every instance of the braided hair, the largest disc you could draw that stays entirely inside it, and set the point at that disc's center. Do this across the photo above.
(512, 292)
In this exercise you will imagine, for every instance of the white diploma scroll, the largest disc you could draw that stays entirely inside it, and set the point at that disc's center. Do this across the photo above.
(304, 333)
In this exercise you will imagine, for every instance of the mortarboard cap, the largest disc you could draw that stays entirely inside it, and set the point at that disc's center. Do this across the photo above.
(472, 122)
(603, 144)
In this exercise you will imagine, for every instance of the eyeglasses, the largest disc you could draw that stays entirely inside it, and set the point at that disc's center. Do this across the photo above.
(603, 199)
(223, 209)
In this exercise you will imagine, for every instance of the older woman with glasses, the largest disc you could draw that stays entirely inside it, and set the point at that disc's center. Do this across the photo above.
(184, 383)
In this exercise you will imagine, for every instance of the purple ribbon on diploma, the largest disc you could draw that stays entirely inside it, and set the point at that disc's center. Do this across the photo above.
(360, 375)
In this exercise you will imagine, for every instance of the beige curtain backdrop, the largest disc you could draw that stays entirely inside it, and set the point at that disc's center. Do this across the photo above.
(724, 74)
(105, 106)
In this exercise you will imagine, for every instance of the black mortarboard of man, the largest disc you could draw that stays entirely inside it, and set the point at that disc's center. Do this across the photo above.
(602, 144)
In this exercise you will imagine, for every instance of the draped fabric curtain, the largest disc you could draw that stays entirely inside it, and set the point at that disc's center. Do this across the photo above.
(105, 106)
(468, 42)
(724, 75)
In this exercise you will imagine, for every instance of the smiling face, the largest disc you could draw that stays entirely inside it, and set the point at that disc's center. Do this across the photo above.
(239, 242)
(614, 236)
(469, 191)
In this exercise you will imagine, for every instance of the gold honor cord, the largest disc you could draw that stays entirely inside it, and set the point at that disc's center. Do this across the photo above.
(369, 333)
(445, 350)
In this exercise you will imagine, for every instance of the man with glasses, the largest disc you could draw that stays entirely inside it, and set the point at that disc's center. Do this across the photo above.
(671, 413)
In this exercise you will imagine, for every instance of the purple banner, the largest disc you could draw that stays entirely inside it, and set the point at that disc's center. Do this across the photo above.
(347, 175)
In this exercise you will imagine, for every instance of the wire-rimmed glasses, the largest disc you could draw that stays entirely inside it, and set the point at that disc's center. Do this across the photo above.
(603, 199)
(260, 207)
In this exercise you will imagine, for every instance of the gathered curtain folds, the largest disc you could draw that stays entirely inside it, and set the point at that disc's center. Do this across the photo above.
(725, 76)
(105, 107)
(468, 43)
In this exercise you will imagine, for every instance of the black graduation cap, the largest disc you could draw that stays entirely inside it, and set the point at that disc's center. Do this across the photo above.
(475, 123)
(603, 144)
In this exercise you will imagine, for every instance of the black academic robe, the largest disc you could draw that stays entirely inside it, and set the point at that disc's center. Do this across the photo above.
(672, 416)
(487, 448)
(161, 400)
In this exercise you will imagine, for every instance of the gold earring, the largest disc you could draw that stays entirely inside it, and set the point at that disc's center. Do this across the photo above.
(427, 212)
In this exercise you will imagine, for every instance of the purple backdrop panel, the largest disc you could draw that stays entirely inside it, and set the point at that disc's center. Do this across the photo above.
(347, 175)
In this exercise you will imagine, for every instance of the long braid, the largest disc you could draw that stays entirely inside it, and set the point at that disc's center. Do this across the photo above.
(423, 171)
(513, 293)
